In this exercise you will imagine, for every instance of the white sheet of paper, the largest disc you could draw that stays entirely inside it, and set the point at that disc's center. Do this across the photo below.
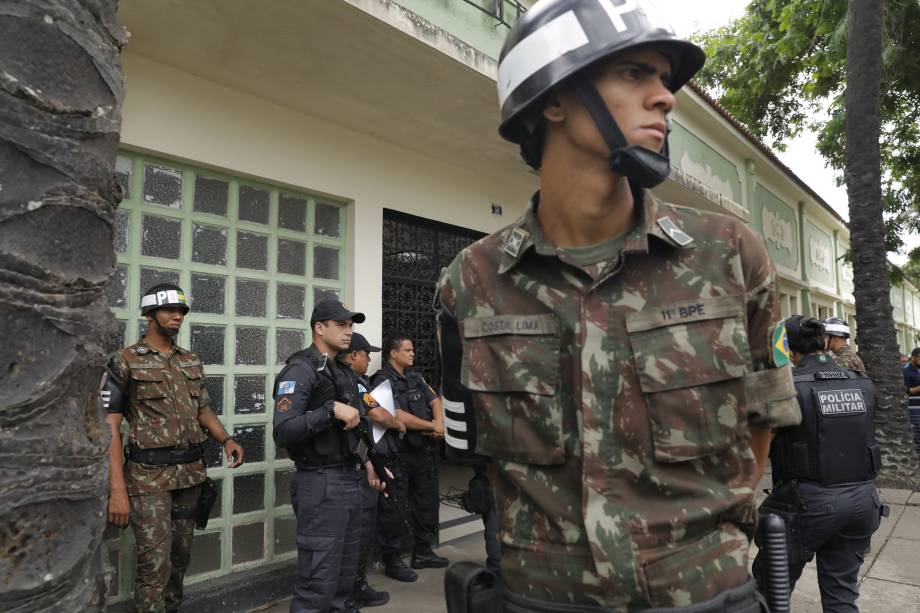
(383, 394)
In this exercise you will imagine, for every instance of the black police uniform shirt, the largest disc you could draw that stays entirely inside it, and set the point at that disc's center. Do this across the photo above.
(300, 393)
(911, 377)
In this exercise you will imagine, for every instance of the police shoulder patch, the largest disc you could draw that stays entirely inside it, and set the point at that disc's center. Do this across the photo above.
(286, 387)
(283, 404)
(369, 401)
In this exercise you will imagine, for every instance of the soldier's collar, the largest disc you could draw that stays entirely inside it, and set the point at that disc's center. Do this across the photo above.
(663, 226)
(144, 348)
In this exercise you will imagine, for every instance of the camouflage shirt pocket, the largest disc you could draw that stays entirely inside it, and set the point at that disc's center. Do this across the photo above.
(194, 375)
(511, 363)
(150, 384)
(691, 358)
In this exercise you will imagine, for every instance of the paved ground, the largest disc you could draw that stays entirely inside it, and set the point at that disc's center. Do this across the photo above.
(889, 579)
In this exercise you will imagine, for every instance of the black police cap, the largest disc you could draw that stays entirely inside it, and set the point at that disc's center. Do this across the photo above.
(359, 343)
(332, 309)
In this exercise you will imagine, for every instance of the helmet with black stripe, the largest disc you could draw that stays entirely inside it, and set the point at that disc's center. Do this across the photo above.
(164, 295)
(555, 41)
(834, 326)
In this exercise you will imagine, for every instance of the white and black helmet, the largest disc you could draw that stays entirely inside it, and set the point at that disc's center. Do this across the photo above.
(836, 327)
(164, 295)
(557, 39)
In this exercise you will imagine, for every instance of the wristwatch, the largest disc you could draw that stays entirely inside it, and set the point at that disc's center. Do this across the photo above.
(329, 405)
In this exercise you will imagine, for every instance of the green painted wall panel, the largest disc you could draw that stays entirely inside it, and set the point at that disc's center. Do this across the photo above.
(694, 157)
(777, 223)
(819, 250)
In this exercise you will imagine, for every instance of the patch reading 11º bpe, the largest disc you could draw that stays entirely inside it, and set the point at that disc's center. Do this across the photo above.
(834, 403)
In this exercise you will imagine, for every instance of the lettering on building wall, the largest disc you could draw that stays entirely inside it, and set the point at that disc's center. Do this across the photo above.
(777, 230)
(704, 174)
(820, 254)
(846, 274)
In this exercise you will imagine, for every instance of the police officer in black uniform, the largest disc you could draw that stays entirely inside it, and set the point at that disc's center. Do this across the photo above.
(358, 357)
(315, 399)
(824, 470)
(419, 408)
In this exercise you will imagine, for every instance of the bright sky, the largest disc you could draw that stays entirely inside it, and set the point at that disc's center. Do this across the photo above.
(800, 155)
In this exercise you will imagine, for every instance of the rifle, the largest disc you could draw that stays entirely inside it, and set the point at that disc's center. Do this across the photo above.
(362, 446)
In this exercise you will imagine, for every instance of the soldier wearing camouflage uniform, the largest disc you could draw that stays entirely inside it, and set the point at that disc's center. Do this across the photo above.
(616, 347)
(155, 482)
(837, 335)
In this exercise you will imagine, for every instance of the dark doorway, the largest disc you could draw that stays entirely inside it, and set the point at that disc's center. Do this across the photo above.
(415, 250)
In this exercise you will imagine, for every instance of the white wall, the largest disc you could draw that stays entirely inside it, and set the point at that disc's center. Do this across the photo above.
(178, 115)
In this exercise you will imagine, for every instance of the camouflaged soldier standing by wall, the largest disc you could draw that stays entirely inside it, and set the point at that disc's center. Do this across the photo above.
(616, 347)
(155, 481)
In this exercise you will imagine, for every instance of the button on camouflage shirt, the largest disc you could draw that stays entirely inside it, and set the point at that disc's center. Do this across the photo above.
(165, 395)
(616, 400)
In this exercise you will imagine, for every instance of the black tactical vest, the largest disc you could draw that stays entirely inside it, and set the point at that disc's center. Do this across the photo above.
(835, 443)
(333, 383)
(409, 392)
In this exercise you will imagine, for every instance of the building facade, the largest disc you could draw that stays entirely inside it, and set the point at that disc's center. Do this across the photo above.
(276, 153)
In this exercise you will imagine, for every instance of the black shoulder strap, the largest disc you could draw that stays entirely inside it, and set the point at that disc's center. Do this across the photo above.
(803, 378)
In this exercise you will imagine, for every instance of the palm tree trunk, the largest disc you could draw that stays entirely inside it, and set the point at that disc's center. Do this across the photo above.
(60, 114)
(877, 340)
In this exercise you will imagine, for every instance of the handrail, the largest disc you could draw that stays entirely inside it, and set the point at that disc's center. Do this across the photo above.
(496, 9)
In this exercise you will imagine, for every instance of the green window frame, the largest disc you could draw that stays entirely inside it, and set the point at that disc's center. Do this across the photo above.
(283, 249)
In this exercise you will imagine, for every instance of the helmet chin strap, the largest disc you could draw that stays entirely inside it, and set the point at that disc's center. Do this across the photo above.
(644, 167)
(167, 332)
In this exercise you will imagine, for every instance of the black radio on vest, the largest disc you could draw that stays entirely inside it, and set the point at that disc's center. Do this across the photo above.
(835, 443)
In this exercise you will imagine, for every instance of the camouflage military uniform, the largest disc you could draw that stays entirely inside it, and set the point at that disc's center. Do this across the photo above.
(847, 358)
(166, 394)
(616, 401)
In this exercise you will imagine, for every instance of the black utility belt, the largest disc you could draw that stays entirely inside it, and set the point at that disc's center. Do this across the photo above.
(303, 464)
(164, 456)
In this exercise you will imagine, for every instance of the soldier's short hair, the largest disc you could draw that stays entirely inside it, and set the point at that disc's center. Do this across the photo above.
(915, 352)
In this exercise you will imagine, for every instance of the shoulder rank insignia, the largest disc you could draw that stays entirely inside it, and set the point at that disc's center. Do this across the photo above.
(780, 344)
(141, 350)
(515, 241)
(674, 233)
(369, 401)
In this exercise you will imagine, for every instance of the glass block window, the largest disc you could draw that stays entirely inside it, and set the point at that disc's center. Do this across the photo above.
(253, 259)
(211, 195)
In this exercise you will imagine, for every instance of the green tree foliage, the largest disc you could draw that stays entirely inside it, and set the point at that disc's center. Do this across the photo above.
(781, 68)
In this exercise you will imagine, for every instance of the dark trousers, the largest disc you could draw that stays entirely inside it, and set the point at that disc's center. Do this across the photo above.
(417, 491)
(368, 524)
(327, 502)
(837, 524)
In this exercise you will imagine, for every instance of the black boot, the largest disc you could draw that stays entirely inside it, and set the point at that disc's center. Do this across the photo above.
(426, 558)
(394, 567)
(364, 595)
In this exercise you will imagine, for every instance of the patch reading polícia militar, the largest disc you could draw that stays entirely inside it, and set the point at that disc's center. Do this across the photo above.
(283, 404)
(780, 344)
(369, 401)
(840, 403)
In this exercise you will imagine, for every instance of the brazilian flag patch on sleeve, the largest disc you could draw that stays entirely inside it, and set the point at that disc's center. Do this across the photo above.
(780, 344)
